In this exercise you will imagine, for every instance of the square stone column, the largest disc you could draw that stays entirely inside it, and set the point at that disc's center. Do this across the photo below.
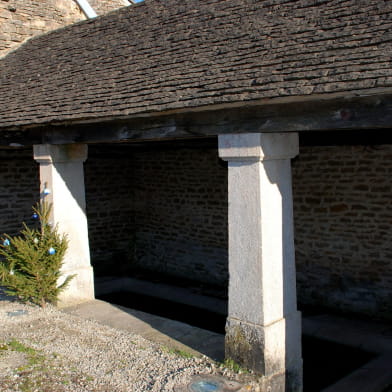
(263, 328)
(62, 175)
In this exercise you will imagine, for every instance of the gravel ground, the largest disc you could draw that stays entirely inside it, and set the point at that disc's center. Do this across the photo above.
(46, 350)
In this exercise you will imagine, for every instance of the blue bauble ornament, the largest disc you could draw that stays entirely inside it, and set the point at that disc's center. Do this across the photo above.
(34, 216)
(52, 251)
(46, 191)
(6, 242)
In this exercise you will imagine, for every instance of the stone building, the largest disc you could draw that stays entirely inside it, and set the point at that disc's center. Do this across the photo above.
(22, 19)
(218, 137)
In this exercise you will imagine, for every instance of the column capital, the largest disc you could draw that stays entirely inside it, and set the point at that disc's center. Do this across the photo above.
(258, 146)
(52, 153)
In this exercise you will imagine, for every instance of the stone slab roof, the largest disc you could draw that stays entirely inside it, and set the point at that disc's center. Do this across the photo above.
(164, 55)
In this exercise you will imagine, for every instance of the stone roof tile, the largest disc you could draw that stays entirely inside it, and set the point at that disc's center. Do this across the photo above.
(169, 54)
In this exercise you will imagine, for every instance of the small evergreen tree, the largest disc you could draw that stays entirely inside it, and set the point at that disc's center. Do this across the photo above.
(31, 263)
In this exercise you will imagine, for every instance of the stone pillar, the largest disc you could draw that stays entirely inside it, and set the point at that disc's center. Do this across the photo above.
(263, 329)
(61, 172)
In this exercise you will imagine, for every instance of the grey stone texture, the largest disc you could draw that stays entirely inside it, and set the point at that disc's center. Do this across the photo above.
(246, 344)
(168, 54)
(263, 329)
(62, 173)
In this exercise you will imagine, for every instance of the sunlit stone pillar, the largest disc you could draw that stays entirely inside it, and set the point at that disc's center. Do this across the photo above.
(61, 173)
(263, 329)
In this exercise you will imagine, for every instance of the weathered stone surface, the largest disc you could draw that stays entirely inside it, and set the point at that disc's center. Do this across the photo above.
(20, 20)
(19, 188)
(61, 171)
(102, 7)
(23, 19)
(343, 227)
(263, 330)
(259, 348)
(165, 55)
(258, 146)
(245, 344)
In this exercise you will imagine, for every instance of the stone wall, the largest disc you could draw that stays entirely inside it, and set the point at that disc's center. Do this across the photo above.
(181, 213)
(22, 19)
(109, 190)
(343, 227)
(104, 6)
(158, 209)
(166, 210)
(19, 189)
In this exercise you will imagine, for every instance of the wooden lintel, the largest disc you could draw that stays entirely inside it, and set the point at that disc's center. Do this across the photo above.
(355, 113)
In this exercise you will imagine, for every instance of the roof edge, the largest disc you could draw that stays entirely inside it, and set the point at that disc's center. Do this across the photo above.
(259, 103)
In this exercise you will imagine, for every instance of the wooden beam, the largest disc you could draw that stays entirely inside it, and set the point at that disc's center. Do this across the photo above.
(354, 113)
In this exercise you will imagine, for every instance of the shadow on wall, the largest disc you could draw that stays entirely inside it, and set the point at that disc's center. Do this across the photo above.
(158, 209)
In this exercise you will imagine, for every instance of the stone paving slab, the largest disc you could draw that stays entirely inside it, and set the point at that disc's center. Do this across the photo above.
(170, 333)
(366, 335)
(370, 336)
(374, 376)
(182, 295)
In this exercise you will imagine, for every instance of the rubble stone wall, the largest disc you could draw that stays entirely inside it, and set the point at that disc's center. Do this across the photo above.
(160, 210)
(23, 19)
(109, 200)
(19, 189)
(181, 213)
(172, 206)
(343, 227)
(104, 6)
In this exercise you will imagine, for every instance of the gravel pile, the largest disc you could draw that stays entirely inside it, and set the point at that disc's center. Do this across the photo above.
(47, 350)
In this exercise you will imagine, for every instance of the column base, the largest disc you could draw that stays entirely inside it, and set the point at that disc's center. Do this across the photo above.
(284, 382)
(80, 289)
(273, 351)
